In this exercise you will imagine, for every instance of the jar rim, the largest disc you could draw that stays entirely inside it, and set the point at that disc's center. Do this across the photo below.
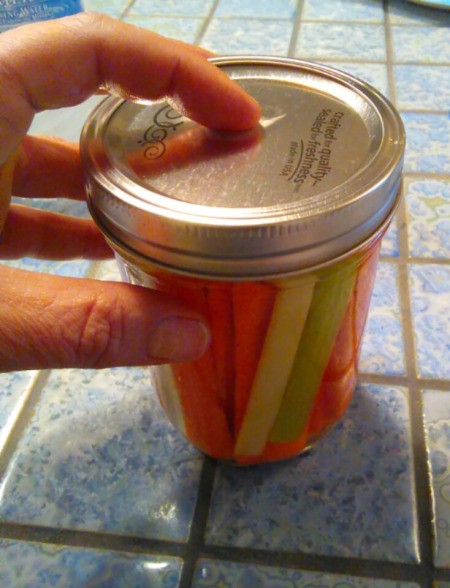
(162, 218)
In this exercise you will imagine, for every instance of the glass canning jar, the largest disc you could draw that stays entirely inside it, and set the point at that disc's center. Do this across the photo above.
(272, 234)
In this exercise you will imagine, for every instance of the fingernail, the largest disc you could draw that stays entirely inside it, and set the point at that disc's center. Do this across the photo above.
(178, 339)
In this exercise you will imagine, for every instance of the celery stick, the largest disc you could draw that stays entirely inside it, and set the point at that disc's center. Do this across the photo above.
(281, 342)
(331, 296)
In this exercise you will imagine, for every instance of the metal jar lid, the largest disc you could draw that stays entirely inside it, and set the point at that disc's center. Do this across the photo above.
(319, 175)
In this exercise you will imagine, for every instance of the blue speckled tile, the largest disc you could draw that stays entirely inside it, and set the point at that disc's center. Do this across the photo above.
(407, 13)
(351, 496)
(183, 29)
(372, 73)
(389, 246)
(64, 122)
(77, 268)
(422, 87)
(428, 206)
(343, 10)
(253, 37)
(261, 9)
(437, 427)
(111, 7)
(34, 565)
(430, 298)
(341, 41)
(236, 575)
(99, 455)
(428, 144)
(108, 270)
(14, 389)
(421, 44)
(383, 348)
(61, 205)
(173, 7)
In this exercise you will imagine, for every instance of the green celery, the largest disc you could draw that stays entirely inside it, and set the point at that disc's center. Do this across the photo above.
(331, 296)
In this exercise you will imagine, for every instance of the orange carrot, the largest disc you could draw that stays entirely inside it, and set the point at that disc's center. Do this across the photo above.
(205, 421)
(220, 306)
(193, 294)
(252, 309)
(340, 376)
(343, 355)
(331, 403)
(197, 381)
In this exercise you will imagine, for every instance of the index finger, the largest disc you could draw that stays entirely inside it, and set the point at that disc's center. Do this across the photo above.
(62, 62)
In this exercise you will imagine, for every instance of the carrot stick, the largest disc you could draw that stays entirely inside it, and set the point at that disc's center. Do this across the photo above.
(195, 296)
(205, 418)
(252, 308)
(205, 421)
(220, 306)
(343, 355)
(339, 378)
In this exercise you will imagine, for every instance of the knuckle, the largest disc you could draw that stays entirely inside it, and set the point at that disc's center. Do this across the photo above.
(102, 332)
(89, 20)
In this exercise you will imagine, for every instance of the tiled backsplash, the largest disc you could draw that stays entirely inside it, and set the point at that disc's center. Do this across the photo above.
(97, 489)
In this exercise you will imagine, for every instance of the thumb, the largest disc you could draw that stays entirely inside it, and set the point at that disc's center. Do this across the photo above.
(55, 322)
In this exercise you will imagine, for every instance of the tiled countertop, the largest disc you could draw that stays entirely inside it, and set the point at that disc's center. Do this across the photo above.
(97, 489)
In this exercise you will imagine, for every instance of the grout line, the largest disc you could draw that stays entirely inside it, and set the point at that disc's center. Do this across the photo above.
(427, 176)
(429, 261)
(199, 522)
(127, 8)
(372, 23)
(206, 22)
(421, 475)
(422, 482)
(439, 385)
(426, 64)
(94, 268)
(356, 567)
(324, 21)
(91, 540)
(389, 54)
(416, 260)
(442, 575)
(288, 19)
(424, 111)
(411, 175)
(296, 29)
(421, 479)
(318, 563)
(23, 420)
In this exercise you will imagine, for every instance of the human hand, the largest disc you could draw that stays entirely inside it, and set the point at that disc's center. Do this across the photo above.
(48, 321)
